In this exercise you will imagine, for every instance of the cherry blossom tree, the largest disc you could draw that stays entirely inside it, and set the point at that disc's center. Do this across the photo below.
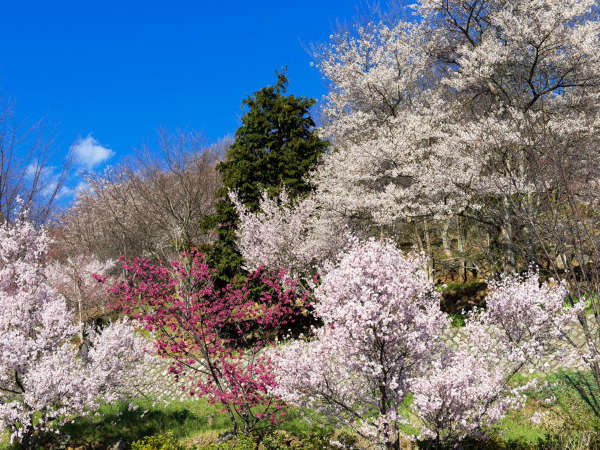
(458, 115)
(382, 325)
(78, 279)
(295, 235)
(468, 386)
(214, 338)
(43, 380)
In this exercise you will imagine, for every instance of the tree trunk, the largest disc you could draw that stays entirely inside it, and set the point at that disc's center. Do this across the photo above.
(430, 268)
(462, 248)
(510, 265)
(446, 243)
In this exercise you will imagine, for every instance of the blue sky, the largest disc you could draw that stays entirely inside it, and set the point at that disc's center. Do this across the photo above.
(109, 74)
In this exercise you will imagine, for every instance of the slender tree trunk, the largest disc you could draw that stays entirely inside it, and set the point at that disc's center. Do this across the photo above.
(446, 238)
(417, 237)
(446, 244)
(510, 265)
(462, 248)
(430, 268)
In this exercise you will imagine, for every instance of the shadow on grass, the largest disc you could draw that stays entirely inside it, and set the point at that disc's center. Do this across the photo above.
(115, 423)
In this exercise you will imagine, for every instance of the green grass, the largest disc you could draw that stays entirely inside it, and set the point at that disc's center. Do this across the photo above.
(117, 422)
(567, 420)
(190, 422)
(4, 441)
(517, 427)
(567, 417)
(184, 420)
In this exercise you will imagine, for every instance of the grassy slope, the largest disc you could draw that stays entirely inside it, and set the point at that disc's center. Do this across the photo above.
(567, 416)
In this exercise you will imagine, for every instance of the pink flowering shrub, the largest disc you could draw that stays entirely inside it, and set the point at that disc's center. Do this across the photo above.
(525, 317)
(459, 396)
(382, 326)
(43, 381)
(468, 388)
(300, 235)
(384, 336)
(213, 338)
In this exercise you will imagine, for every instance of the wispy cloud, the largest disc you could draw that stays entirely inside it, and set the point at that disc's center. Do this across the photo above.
(48, 178)
(88, 152)
(43, 172)
(82, 187)
(71, 191)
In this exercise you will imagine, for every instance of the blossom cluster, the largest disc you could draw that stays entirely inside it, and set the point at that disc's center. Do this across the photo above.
(214, 338)
(79, 280)
(382, 326)
(44, 380)
(297, 236)
(385, 337)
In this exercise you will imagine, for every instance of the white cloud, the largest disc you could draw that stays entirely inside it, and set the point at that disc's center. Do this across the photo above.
(31, 170)
(44, 173)
(64, 192)
(82, 187)
(71, 191)
(48, 178)
(89, 153)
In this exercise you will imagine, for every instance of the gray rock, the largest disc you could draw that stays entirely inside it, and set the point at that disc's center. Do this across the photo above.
(119, 445)
(224, 437)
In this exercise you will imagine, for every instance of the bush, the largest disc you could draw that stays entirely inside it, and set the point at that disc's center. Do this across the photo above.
(163, 441)
(318, 439)
(242, 442)
(276, 440)
(212, 337)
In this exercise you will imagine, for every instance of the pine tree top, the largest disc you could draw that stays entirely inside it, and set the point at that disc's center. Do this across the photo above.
(276, 145)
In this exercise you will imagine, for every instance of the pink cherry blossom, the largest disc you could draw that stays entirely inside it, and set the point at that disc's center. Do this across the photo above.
(43, 380)
(382, 326)
(206, 334)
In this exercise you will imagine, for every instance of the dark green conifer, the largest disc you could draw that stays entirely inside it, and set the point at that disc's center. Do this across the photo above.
(275, 146)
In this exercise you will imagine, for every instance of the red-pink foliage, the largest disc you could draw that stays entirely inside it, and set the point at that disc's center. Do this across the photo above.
(214, 337)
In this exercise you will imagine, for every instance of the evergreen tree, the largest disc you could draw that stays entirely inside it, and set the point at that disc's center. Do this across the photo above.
(275, 147)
